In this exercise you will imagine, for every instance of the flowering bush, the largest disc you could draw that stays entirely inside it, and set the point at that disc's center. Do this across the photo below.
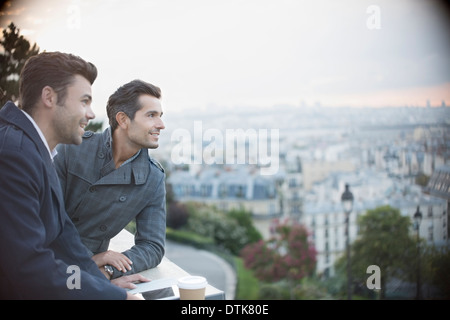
(287, 254)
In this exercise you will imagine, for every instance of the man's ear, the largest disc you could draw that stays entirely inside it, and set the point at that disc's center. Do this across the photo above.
(122, 119)
(48, 96)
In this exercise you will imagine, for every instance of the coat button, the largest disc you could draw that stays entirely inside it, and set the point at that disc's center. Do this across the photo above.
(88, 134)
(103, 227)
(101, 155)
(92, 189)
(122, 198)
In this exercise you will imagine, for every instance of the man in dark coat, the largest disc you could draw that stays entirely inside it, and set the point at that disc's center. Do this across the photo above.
(41, 254)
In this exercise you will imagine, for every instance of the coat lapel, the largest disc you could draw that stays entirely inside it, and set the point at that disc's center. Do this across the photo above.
(11, 114)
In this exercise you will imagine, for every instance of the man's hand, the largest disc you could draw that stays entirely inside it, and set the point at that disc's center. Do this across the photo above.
(113, 258)
(127, 282)
(136, 296)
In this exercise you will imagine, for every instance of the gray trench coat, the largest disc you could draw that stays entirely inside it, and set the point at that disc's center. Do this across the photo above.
(102, 200)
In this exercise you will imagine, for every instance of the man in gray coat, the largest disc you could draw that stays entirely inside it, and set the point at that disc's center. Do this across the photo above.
(110, 179)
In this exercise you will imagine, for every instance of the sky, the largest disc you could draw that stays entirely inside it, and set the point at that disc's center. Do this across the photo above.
(252, 53)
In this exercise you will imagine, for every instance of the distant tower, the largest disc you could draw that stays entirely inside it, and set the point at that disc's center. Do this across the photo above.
(428, 103)
(443, 104)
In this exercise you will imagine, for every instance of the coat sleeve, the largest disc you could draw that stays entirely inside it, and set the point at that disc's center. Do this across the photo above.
(149, 247)
(37, 248)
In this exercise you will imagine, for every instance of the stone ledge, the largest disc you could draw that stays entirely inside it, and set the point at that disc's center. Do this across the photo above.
(166, 269)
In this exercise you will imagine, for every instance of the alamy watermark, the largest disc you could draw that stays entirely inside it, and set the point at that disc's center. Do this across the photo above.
(237, 146)
(74, 15)
(373, 281)
(373, 22)
(74, 280)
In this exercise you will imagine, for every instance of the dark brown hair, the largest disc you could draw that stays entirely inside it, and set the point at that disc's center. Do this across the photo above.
(54, 69)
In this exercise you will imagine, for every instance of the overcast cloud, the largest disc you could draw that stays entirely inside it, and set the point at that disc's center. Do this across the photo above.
(206, 53)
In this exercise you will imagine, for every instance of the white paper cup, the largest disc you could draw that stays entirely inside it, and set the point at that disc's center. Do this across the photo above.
(192, 287)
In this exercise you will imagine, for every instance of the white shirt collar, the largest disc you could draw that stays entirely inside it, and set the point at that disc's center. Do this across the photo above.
(51, 153)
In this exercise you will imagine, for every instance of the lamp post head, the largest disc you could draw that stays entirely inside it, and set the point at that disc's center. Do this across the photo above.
(347, 199)
(417, 218)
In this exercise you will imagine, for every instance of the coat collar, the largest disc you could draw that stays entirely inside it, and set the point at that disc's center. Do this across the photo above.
(136, 171)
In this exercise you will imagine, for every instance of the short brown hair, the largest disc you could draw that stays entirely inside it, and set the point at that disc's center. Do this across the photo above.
(54, 69)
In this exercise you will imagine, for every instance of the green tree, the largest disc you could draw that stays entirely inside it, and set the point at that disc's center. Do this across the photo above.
(244, 219)
(16, 50)
(384, 240)
(422, 179)
(94, 126)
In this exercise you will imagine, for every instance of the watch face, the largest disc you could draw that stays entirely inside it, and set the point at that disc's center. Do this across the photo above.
(109, 269)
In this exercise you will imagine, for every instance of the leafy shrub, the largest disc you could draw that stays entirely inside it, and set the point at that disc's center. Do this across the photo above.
(225, 231)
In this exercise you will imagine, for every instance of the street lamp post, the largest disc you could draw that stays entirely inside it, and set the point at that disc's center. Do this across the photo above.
(417, 221)
(347, 204)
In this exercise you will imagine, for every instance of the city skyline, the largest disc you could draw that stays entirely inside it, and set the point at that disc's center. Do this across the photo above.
(206, 54)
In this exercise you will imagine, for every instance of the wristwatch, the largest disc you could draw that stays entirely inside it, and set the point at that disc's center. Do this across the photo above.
(109, 269)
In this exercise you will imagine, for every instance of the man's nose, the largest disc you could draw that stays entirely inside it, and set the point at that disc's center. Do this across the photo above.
(90, 113)
(161, 125)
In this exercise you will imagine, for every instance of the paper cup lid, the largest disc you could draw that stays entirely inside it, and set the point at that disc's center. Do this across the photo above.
(192, 282)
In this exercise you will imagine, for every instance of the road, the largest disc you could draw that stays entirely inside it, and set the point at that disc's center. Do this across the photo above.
(216, 270)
